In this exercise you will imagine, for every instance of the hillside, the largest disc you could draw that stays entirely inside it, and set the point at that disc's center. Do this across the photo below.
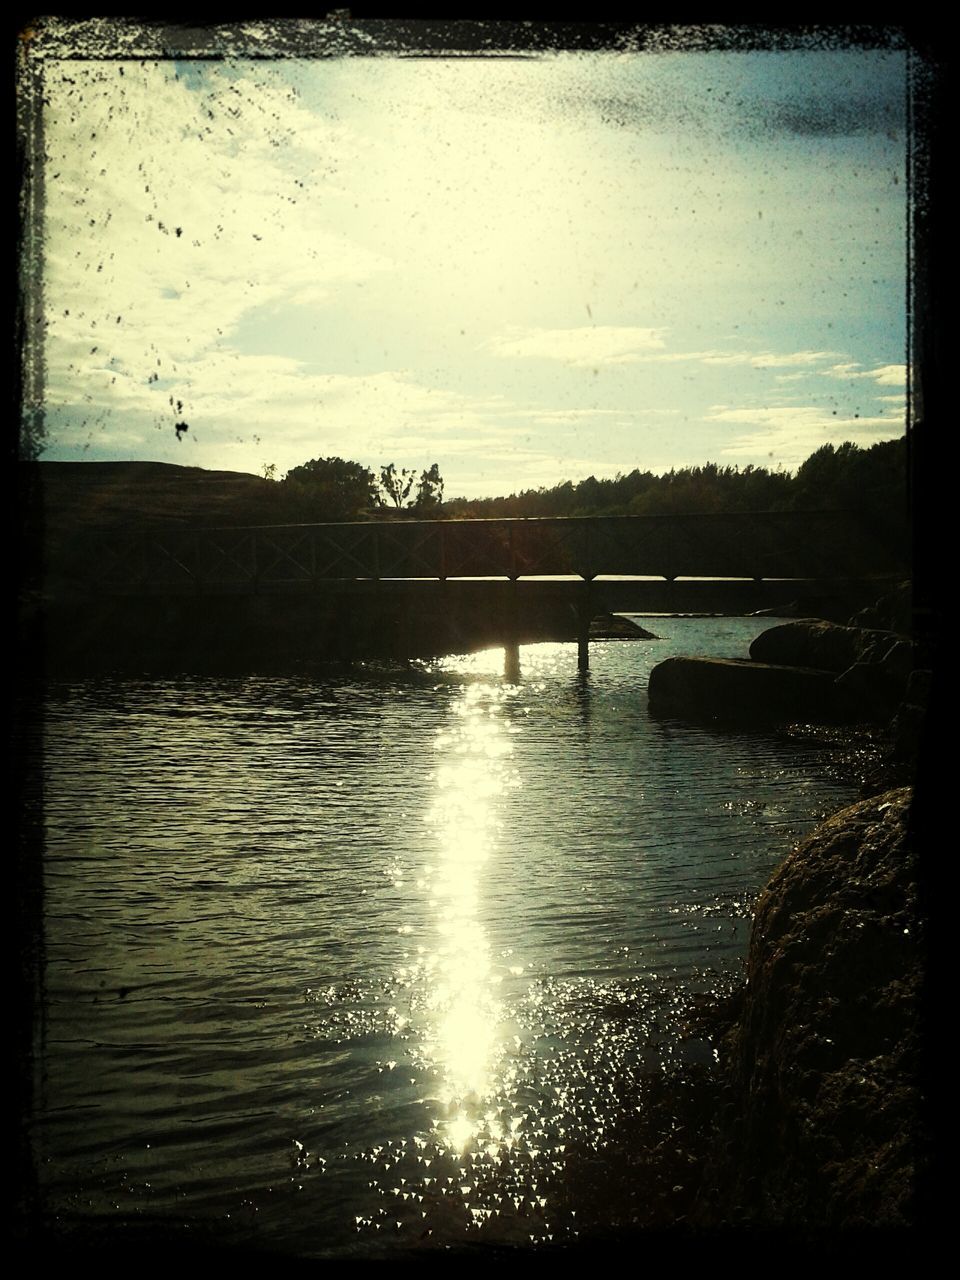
(76, 496)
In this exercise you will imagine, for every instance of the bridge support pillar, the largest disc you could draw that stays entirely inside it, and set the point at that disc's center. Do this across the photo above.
(511, 662)
(583, 649)
(584, 618)
(511, 649)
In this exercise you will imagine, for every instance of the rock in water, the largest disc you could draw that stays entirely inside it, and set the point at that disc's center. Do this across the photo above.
(824, 645)
(735, 691)
(822, 1130)
(612, 626)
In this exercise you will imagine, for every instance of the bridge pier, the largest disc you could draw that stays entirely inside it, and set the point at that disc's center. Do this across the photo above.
(511, 662)
(584, 618)
(583, 647)
(511, 650)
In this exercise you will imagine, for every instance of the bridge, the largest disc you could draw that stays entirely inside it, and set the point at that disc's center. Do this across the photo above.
(476, 582)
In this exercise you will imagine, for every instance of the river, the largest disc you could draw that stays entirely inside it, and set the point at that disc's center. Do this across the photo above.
(348, 964)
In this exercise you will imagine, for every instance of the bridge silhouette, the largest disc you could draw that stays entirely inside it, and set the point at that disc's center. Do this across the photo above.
(473, 582)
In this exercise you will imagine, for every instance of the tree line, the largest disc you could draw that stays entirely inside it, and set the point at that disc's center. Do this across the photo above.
(870, 480)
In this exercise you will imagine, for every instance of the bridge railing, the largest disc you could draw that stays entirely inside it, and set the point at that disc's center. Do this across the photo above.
(820, 545)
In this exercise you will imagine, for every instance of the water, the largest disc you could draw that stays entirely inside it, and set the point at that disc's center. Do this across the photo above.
(360, 963)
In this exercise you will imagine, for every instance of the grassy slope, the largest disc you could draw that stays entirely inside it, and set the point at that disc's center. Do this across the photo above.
(91, 495)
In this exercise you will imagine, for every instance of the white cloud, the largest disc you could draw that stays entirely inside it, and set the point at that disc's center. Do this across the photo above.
(885, 375)
(734, 359)
(790, 433)
(763, 360)
(621, 344)
(561, 415)
(174, 212)
(583, 347)
(889, 375)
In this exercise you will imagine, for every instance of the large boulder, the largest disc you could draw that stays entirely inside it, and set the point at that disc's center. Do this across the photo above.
(874, 690)
(872, 667)
(907, 725)
(892, 612)
(811, 642)
(821, 1129)
(736, 691)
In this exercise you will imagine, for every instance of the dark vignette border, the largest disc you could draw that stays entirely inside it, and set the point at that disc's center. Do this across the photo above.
(340, 34)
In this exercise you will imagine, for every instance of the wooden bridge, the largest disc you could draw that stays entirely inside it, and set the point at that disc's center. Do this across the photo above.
(823, 545)
(447, 582)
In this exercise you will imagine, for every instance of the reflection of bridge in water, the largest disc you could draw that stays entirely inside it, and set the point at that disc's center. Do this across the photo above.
(438, 585)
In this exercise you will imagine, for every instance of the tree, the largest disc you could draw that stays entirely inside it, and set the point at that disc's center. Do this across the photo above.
(396, 487)
(429, 490)
(332, 488)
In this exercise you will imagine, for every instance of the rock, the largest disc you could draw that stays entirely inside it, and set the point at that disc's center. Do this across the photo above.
(892, 612)
(611, 626)
(740, 692)
(919, 686)
(792, 609)
(823, 1062)
(823, 645)
(870, 692)
(907, 725)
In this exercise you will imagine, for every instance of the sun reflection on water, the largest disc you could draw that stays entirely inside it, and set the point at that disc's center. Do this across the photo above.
(466, 1016)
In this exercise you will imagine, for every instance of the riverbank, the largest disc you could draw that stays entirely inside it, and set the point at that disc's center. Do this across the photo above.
(812, 1120)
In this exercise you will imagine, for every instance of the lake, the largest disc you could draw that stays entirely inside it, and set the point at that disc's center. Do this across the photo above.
(367, 961)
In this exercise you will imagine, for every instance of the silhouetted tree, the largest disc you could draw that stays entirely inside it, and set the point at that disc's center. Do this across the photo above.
(397, 485)
(848, 476)
(331, 489)
(429, 497)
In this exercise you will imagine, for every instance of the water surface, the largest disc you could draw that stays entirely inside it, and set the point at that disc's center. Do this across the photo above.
(354, 963)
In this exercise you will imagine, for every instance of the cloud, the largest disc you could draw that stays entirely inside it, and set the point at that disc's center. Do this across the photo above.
(583, 348)
(746, 359)
(763, 360)
(562, 415)
(790, 433)
(174, 210)
(885, 375)
(620, 344)
(889, 375)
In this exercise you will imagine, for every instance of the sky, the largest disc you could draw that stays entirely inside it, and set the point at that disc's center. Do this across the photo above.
(526, 270)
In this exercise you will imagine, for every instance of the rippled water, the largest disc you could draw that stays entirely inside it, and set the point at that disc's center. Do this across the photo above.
(350, 964)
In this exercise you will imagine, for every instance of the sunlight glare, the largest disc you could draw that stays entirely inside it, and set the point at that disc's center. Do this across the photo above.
(464, 1038)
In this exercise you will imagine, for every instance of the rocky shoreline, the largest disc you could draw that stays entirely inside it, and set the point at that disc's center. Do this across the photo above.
(818, 1123)
(811, 1127)
(813, 1120)
(808, 670)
